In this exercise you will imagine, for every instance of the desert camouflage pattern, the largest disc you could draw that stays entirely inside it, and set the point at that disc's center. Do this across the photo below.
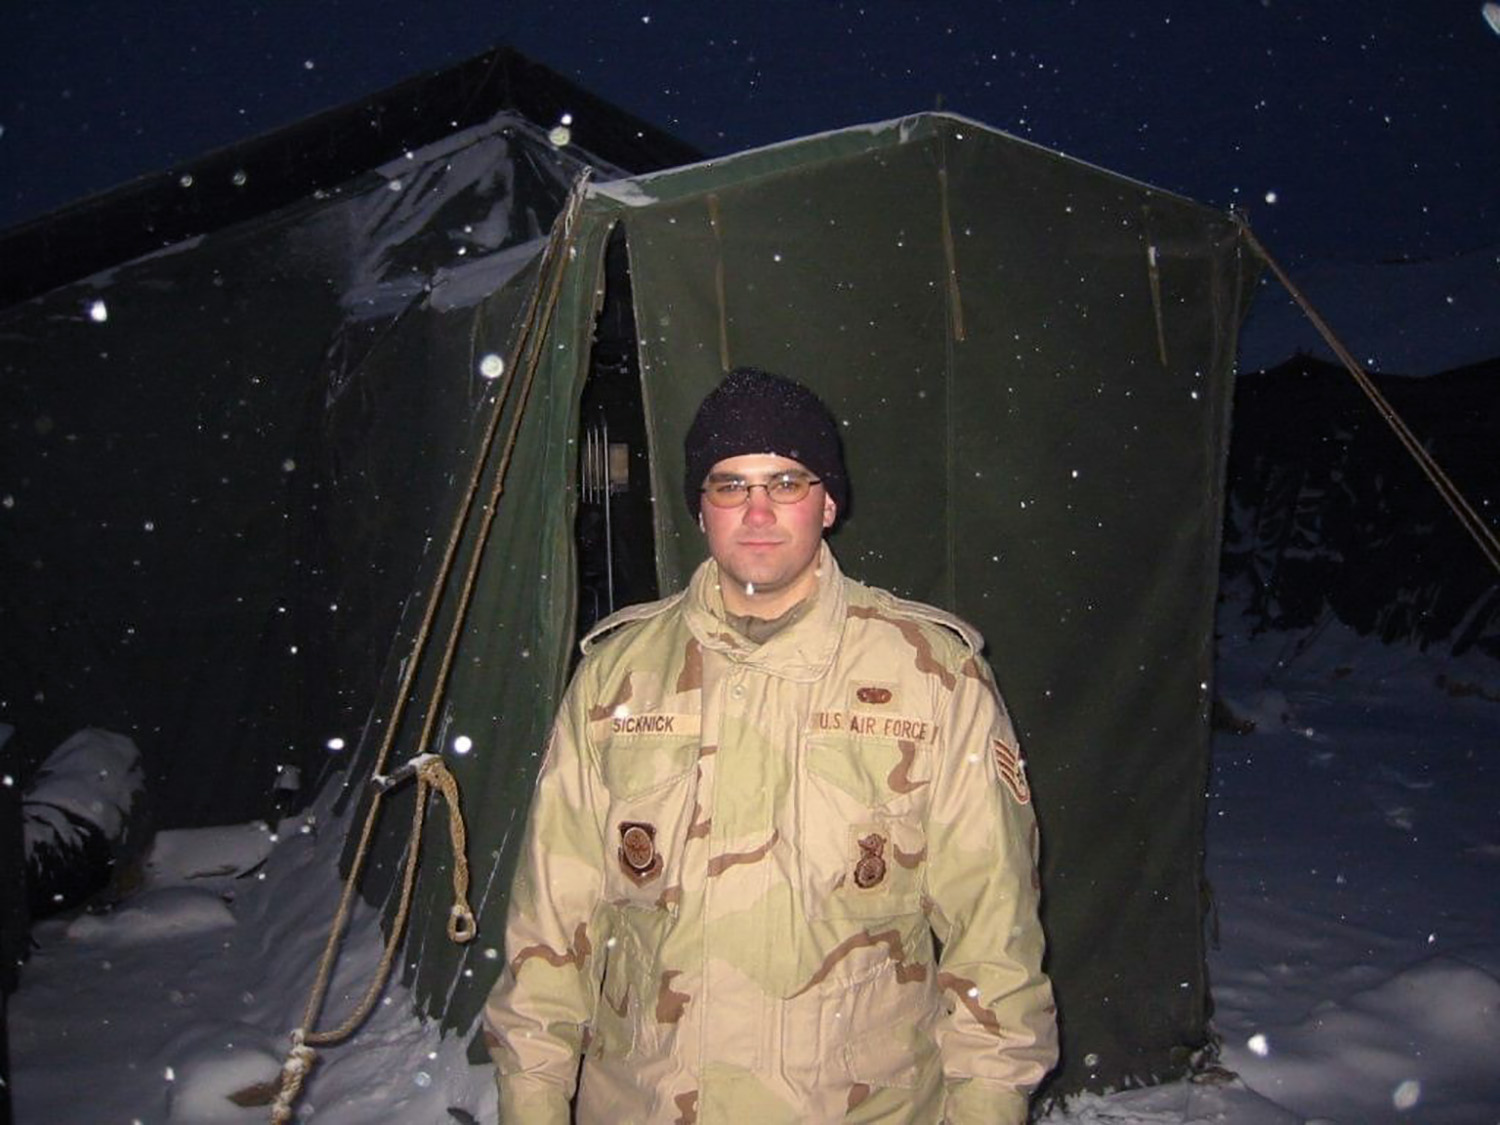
(737, 860)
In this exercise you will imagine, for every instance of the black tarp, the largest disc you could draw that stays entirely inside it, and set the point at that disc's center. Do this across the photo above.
(224, 457)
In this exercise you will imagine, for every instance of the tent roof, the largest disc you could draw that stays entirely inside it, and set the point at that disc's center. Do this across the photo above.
(260, 175)
(665, 184)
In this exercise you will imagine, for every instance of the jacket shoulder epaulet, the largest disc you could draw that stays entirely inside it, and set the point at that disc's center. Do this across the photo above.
(639, 612)
(904, 607)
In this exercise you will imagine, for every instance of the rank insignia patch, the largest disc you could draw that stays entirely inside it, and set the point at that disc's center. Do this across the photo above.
(1012, 770)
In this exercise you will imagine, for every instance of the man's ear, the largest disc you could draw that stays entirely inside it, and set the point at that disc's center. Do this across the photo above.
(830, 511)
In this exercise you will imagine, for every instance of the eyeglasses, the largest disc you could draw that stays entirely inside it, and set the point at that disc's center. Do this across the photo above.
(734, 492)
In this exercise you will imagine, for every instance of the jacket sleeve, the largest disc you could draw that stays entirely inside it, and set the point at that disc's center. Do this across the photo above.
(539, 1011)
(999, 1036)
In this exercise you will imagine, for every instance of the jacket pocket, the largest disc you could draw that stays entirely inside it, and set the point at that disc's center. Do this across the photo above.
(652, 785)
(864, 850)
(894, 1021)
(613, 1028)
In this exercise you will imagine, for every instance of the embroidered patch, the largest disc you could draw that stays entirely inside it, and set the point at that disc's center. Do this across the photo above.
(876, 725)
(644, 729)
(872, 696)
(625, 724)
(1012, 770)
(639, 858)
(869, 870)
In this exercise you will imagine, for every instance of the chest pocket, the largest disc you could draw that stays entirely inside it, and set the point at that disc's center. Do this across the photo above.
(864, 847)
(653, 783)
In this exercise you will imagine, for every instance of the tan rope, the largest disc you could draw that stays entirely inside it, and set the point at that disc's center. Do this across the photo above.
(1473, 523)
(429, 772)
(461, 927)
(491, 509)
(461, 924)
(432, 772)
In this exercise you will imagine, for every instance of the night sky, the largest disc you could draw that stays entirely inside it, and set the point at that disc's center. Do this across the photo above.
(1349, 131)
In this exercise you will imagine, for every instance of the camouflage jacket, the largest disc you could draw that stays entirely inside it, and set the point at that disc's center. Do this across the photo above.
(737, 859)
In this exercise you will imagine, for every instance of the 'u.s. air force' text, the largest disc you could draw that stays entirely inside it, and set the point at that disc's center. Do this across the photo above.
(875, 726)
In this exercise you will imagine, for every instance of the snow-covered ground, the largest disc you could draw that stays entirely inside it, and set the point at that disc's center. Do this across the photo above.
(1354, 851)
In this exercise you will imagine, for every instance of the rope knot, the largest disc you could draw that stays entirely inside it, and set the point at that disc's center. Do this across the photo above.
(461, 925)
(294, 1071)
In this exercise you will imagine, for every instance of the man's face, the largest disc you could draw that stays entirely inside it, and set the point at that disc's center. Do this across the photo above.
(767, 552)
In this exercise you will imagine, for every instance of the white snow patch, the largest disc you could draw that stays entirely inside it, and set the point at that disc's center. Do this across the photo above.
(629, 192)
(155, 916)
(180, 980)
(186, 854)
(1268, 709)
(1424, 1040)
(206, 1083)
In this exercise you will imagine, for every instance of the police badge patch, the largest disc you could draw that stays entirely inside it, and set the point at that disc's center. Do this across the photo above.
(639, 858)
(870, 869)
(1012, 769)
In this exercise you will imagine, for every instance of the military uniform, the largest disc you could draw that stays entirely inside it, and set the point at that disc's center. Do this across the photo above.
(737, 859)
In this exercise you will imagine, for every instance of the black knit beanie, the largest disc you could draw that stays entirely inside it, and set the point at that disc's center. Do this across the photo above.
(753, 411)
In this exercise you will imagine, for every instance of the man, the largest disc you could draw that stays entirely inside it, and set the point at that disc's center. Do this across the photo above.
(762, 801)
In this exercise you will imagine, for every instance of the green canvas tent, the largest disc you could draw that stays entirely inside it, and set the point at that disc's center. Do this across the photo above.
(232, 466)
(1031, 359)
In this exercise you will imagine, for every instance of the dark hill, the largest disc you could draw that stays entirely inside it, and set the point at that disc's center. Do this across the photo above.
(1327, 514)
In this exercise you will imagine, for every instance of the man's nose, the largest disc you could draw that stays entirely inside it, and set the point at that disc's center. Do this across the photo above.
(759, 508)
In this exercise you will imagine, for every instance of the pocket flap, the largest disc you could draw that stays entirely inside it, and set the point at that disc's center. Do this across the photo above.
(874, 771)
(633, 766)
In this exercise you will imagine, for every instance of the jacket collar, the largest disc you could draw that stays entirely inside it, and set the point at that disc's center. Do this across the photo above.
(802, 651)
